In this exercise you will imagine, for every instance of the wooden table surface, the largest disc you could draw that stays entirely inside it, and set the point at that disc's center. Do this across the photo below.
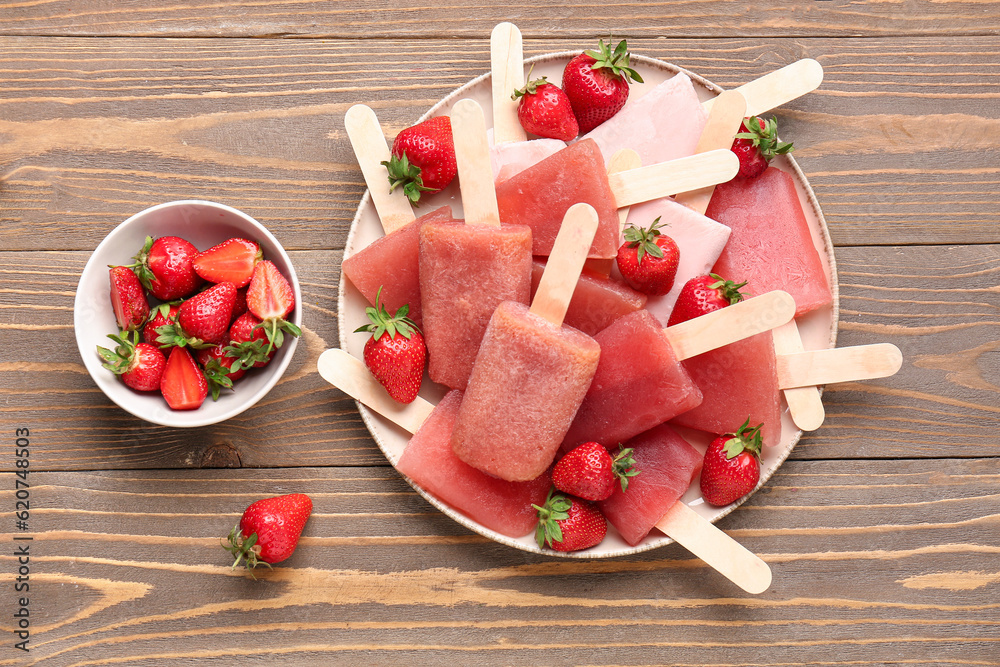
(882, 528)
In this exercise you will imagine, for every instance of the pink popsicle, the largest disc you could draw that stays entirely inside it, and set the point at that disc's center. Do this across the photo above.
(667, 464)
(428, 460)
(770, 245)
(391, 263)
(596, 302)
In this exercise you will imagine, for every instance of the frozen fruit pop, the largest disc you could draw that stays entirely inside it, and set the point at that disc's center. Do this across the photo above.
(596, 302)
(505, 507)
(467, 270)
(640, 381)
(540, 195)
(771, 245)
(532, 371)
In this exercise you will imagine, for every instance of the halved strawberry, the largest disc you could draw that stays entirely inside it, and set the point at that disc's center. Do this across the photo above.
(182, 384)
(128, 299)
(140, 365)
(270, 297)
(231, 261)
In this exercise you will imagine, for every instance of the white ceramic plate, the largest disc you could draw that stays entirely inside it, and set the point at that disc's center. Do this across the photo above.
(818, 329)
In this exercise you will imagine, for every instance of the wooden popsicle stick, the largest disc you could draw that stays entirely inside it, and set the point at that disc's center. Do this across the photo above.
(723, 123)
(669, 178)
(780, 86)
(622, 160)
(472, 153)
(842, 364)
(804, 403)
(721, 552)
(683, 524)
(507, 68)
(352, 377)
(562, 270)
(730, 324)
(370, 148)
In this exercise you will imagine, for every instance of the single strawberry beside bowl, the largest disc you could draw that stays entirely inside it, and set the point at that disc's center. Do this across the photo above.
(597, 83)
(269, 530)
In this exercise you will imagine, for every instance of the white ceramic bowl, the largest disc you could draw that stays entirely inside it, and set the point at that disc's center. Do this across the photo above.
(204, 224)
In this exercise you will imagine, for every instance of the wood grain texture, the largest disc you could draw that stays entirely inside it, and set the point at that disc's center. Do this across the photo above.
(92, 131)
(590, 18)
(128, 568)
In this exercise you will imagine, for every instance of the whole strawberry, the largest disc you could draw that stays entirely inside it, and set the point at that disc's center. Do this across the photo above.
(703, 294)
(164, 315)
(165, 267)
(218, 369)
(128, 299)
(270, 298)
(588, 471)
(248, 346)
(569, 524)
(423, 158)
(648, 259)
(395, 354)
(203, 320)
(269, 530)
(140, 365)
(732, 465)
(756, 145)
(544, 110)
(597, 82)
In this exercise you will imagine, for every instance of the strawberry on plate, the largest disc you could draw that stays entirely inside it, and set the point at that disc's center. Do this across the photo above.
(128, 299)
(732, 465)
(423, 158)
(569, 524)
(702, 295)
(597, 83)
(203, 320)
(756, 145)
(140, 365)
(395, 353)
(588, 471)
(648, 259)
(544, 110)
(269, 530)
(183, 384)
(165, 267)
(271, 298)
(231, 261)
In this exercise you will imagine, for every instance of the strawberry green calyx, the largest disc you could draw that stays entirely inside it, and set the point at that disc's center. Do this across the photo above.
(623, 466)
(275, 328)
(745, 439)
(530, 88)
(140, 267)
(554, 510)
(763, 134)
(616, 61)
(244, 548)
(403, 173)
(173, 335)
(644, 239)
(118, 360)
(728, 289)
(380, 321)
(247, 353)
(217, 377)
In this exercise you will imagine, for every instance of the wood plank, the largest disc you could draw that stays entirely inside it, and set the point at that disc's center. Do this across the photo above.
(938, 305)
(89, 136)
(126, 567)
(672, 18)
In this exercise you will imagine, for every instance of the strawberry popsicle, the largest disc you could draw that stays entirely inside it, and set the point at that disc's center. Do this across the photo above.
(770, 246)
(640, 382)
(467, 270)
(532, 372)
(596, 302)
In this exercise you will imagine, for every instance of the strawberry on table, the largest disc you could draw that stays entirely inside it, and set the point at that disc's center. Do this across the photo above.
(702, 295)
(756, 145)
(648, 259)
(545, 110)
(128, 299)
(396, 353)
(597, 83)
(423, 158)
(270, 298)
(231, 261)
(588, 471)
(183, 384)
(269, 530)
(165, 267)
(569, 524)
(140, 365)
(732, 465)
(203, 320)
